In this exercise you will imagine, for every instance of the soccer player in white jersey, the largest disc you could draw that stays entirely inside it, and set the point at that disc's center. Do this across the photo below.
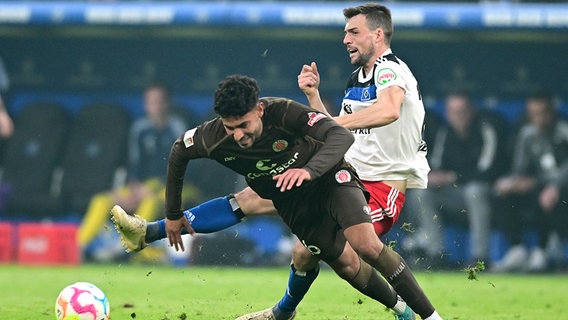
(389, 153)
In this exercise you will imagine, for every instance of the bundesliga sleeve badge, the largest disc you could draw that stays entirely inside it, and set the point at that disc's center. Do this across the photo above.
(188, 138)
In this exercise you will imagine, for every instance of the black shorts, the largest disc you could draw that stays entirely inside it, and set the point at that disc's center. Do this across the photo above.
(319, 214)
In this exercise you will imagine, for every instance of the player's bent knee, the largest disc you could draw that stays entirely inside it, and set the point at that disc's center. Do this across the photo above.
(347, 264)
(369, 251)
(302, 259)
(251, 204)
(346, 272)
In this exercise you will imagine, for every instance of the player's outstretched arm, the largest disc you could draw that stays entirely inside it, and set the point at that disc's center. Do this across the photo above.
(308, 81)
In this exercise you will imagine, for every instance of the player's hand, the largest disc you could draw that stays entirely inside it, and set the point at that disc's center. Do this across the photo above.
(290, 178)
(173, 231)
(309, 79)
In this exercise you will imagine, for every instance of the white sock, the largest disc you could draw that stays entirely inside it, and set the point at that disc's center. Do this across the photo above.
(399, 307)
(434, 316)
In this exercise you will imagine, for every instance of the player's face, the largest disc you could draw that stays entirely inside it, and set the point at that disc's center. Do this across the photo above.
(246, 129)
(360, 41)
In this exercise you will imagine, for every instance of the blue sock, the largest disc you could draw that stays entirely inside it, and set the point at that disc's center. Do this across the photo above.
(298, 285)
(213, 215)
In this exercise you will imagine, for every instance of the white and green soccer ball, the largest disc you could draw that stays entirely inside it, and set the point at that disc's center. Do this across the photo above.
(82, 301)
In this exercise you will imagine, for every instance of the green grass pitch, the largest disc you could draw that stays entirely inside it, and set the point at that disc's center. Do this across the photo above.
(160, 292)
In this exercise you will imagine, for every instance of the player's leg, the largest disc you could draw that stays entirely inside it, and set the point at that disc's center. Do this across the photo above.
(360, 275)
(213, 215)
(136, 233)
(303, 272)
(351, 211)
(342, 258)
(392, 266)
(349, 267)
(218, 214)
(251, 204)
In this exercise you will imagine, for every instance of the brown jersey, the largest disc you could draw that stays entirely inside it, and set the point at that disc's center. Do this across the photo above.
(294, 136)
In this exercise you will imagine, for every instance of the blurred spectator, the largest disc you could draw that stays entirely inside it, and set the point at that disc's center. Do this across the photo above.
(150, 140)
(6, 123)
(6, 129)
(463, 163)
(533, 197)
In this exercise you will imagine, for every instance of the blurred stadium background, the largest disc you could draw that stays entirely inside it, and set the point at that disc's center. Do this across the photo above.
(81, 53)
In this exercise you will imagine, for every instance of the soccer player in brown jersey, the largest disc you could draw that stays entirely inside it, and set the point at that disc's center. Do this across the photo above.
(292, 155)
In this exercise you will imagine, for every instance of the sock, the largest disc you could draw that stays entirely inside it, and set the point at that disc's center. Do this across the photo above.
(400, 306)
(395, 270)
(213, 215)
(298, 285)
(369, 283)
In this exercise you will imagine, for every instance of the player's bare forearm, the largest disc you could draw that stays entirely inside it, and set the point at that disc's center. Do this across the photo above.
(384, 111)
(308, 82)
(316, 103)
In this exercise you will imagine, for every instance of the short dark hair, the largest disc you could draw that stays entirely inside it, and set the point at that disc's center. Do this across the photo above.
(235, 96)
(378, 16)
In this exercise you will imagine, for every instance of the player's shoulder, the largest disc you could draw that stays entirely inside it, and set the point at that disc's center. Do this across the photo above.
(208, 133)
(387, 59)
(280, 105)
(275, 101)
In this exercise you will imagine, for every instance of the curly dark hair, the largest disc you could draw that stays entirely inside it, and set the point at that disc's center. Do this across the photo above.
(236, 96)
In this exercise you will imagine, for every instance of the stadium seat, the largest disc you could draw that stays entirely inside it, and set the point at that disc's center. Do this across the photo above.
(95, 151)
(31, 158)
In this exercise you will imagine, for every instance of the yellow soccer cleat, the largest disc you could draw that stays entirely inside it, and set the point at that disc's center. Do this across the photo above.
(132, 229)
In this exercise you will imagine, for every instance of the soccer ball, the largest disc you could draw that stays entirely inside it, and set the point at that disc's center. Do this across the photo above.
(82, 301)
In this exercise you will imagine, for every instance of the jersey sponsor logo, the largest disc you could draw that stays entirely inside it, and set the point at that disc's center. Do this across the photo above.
(274, 168)
(188, 138)
(263, 166)
(314, 117)
(342, 176)
(385, 76)
(279, 145)
(361, 131)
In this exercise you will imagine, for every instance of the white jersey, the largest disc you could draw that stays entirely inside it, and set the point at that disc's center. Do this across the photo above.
(395, 151)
